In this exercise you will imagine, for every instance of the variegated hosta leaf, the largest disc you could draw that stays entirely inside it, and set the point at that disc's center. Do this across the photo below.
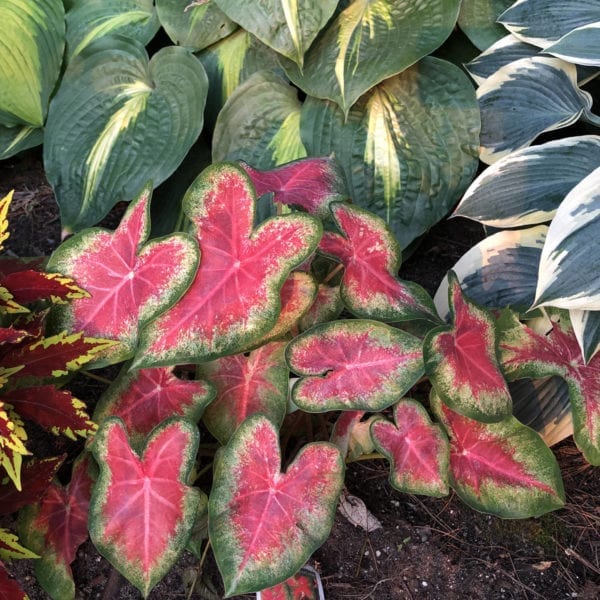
(526, 353)
(408, 147)
(9, 586)
(580, 46)
(87, 21)
(11, 548)
(353, 365)
(501, 468)
(57, 525)
(15, 139)
(478, 21)
(123, 120)
(12, 446)
(586, 326)
(31, 49)
(194, 24)
(370, 41)
(235, 297)
(263, 523)
(352, 435)
(142, 508)
(462, 364)
(4, 204)
(327, 306)
(569, 275)
(499, 271)
(527, 186)
(416, 448)
(371, 258)
(130, 280)
(142, 399)
(28, 286)
(260, 123)
(524, 99)
(257, 383)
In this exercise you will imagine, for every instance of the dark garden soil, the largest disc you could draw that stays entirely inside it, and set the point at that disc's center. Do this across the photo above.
(425, 547)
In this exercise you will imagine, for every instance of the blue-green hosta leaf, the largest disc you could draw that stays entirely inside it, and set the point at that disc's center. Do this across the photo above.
(586, 326)
(569, 275)
(499, 271)
(15, 139)
(117, 121)
(92, 19)
(478, 21)
(260, 123)
(31, 49)
(542, 22)
(581, 46)
(287, 26)
(408, 148)
(193, 24)
(524, 99)
(370, 41)
(527, 186)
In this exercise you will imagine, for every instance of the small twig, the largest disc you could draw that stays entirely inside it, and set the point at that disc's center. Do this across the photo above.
(375, 587)
(96, 377)
(333, 273)
(582, 560)
(199, 570)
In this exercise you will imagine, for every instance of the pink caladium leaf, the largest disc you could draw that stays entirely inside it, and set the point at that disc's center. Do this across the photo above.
(30, 286)
(526, 353)
(130, 280)
(144, 398)
(327, 306)
(142, 509)
(264, 524)
(308, 183)
(57, 525)
(235, 297)
(10, 589)
(352, 434)
(353, 365)
(502, 468)
(371, 257)
(416, 448)
(256, 383)
(462, 362)
(302, 586)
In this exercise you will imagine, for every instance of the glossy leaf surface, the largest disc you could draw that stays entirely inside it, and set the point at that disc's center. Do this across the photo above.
(579, 46)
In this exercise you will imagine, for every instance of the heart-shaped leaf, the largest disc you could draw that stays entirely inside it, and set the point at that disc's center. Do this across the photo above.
(477, 20)
(130, 281)
(501, 468)
(235, 296)
(263, 523)
(353, 365)
(416, 448)
(327, 306)
(142, 509)
(123, 120)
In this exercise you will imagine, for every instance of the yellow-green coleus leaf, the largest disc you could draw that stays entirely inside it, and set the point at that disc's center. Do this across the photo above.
(12, 443)
(10, 547)
(4, 204)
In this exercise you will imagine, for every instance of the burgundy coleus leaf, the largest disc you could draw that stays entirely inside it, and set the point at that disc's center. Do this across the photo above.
(327, 306)
(34, 323)
(57, 525)
(256, 383)
(11, 335)
(502, 468)
(56, 410)
(353, 365)
(308, 183)
(371, 257)
(10, 588)
(264, 524)
(235, 297)
(301, 586)
(30, 286)
(526, 353)
(462, 363)
(10, 265)
(142, 509)
(130, 280)
(416, 448)
(144, 398)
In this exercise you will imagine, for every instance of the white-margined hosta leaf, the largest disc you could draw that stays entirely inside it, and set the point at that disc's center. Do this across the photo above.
(370, 41)
(408, 147)
(31, 49)
(581, 46)
(15, 139)
(287, 26)
(524, 99)
(569, 275)
(478, 21)
(260, 123)
(118, 121)
(527, 186)
(586, 326)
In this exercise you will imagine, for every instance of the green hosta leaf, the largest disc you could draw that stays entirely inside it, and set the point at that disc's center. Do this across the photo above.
(569, 275)
(501, 468)
(370, 41)
(122, 120)
(194, 24)
(287, 26)
(260, 123)
(527, 186)
(31, 49)
(15, 139)
(408, 148)
(581, 46)
(91, 19)
(586, 325)
(548, 98)
(478, 20)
